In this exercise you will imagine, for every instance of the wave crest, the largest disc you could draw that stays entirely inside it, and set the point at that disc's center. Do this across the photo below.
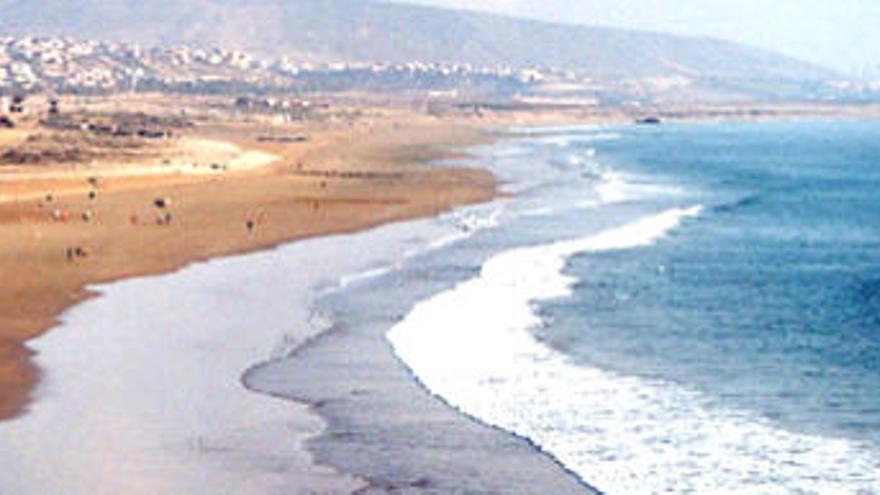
(471, 345)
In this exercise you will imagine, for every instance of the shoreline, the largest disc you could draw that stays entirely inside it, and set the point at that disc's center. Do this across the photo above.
(522, 460)
(388, 211)
(384, 425)
(295, 207)
(77, 377)
(186, 418)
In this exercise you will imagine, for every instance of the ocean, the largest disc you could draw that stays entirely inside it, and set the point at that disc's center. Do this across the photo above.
(685, 308)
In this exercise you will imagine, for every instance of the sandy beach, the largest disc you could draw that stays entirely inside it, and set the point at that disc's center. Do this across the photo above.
(160, 405)
(174, 401)
(342, 179)
(429, 247)
(159, 367)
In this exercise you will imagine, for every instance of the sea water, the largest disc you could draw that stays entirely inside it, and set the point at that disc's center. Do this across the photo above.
(688, 308)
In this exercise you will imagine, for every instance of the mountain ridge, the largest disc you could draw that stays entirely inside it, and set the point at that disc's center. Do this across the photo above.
(368, 31)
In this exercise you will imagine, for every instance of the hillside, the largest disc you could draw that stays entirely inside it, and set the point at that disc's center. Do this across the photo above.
(357, 30)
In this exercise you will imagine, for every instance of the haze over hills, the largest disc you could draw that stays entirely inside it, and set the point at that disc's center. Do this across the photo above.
(356, 30)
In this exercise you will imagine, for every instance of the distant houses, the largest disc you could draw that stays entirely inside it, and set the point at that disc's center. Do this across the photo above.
(288, 109)
(64, 65)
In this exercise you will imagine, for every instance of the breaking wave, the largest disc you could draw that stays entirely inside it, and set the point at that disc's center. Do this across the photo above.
(472, 346)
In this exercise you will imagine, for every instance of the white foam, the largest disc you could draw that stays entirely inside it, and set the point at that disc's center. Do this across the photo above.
(617, 188)
(447, 230)
(626, 435)
(613, 190)
(563, 140)
(464, 224)
(365, 275)
(474, 222)
(583, 158)
(551, 129)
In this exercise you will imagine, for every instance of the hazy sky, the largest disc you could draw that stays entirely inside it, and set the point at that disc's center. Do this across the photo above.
(841, 34)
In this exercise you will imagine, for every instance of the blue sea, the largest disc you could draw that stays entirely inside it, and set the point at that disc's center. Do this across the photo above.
(685, 308)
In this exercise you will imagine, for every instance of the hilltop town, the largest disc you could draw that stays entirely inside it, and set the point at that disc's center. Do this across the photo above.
(64, 65)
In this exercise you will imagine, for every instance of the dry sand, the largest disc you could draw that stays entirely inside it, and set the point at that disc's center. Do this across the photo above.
(347, 177)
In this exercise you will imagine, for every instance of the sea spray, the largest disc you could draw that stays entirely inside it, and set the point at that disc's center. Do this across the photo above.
(472, 346)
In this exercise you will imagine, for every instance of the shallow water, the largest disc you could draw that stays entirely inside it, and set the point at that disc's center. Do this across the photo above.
(684, 309)
(142, 390)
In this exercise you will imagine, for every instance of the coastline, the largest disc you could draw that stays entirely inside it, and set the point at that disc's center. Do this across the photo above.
(104, 370)
(309, 192)
(397, 180)
(533, 370)
(383, 425)
(246, 438)
(159, 403)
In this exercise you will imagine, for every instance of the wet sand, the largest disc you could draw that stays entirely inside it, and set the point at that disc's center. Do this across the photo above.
(343, 179)
(387, 429)
(142, 390)
(383, 427)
